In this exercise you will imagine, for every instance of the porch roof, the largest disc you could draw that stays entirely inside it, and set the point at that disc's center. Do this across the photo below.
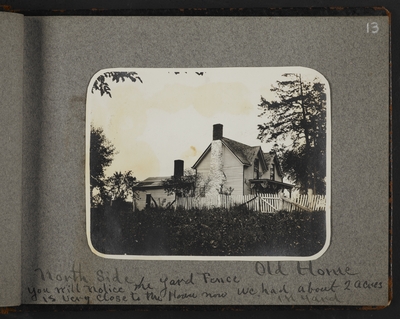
(268, 181)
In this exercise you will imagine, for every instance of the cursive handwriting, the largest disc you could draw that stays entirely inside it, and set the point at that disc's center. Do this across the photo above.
(77, 285)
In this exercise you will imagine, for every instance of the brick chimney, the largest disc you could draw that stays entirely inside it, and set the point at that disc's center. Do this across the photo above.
(178, 168)
(217, 131)
(216, 161)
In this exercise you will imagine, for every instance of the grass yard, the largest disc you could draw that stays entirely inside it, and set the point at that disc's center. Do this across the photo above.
(212, 232)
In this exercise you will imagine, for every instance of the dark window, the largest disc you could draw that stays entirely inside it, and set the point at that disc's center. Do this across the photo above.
(272, 175)
(256, 169)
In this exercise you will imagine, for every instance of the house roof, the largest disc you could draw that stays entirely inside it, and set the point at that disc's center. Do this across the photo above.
(152, 182)
(269, 157)
(244, 153)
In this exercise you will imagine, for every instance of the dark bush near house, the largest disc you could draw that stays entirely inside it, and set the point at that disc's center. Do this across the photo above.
(209, 232)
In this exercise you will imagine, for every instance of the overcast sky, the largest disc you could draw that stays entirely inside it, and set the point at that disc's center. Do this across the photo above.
(170, 116)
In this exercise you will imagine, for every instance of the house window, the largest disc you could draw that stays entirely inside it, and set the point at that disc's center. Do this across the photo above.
(272, 174)
(256, 169)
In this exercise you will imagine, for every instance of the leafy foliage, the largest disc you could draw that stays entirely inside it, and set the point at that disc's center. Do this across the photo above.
(107, 190)
(298, 115)
(120, 186)
(214, 232)
(222, 190)
(101, 156)
(101, 85)
(191, 184)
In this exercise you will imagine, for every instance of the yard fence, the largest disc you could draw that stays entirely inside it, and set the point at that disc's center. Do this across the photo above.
(266, 203)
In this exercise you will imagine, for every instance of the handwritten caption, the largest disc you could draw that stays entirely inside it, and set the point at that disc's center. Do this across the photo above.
(112, 286)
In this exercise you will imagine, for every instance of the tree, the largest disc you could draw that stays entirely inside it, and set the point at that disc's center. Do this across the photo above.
(298, 116)
(120, 186)
(102, 85)
(182, 186)
(191, 184)
(101, 156)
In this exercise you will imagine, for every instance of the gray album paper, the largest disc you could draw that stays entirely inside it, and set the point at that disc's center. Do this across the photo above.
(11, 95)
(241, 161)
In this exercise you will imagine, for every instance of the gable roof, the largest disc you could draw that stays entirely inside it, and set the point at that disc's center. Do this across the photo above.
(152, 182)
(244, 153)
(268, 157)
(272, 156)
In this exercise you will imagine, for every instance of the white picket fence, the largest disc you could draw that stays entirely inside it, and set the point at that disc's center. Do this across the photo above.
(266, 203)
(304, 202)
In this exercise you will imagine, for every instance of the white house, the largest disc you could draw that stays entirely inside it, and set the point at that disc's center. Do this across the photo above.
(225, 165)
(243, 168)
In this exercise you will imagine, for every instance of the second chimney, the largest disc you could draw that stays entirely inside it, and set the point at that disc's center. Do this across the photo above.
(178, 168)
(217, 131)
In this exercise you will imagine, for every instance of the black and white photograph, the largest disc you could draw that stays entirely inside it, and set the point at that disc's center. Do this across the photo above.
(173, 160)
(208, 164)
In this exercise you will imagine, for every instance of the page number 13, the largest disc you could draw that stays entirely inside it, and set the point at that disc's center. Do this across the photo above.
(372, 27)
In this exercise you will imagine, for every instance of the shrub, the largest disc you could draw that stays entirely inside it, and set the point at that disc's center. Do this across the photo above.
(209, 232)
